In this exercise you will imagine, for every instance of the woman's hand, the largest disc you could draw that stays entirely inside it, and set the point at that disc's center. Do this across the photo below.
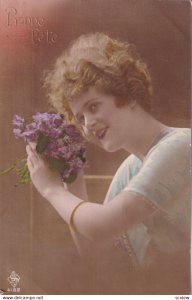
(45, 180)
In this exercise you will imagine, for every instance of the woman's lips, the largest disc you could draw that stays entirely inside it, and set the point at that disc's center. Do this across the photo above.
(100, 134)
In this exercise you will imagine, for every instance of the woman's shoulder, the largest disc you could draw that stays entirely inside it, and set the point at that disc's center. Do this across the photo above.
(123, 175)
(176, 140)
(130, 165)
(180, 134)
(178, 131)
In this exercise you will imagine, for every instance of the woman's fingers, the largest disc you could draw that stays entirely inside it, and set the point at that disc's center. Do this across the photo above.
(32, 156)
(32, 145)
(30, 164)
(30, 151)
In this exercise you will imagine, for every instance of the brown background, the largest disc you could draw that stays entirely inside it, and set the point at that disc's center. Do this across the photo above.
(34, 240)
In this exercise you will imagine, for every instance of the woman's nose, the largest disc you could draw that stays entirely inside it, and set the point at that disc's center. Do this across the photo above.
(89, 122)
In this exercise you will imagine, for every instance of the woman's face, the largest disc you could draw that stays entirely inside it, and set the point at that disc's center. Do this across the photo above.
(102, 121)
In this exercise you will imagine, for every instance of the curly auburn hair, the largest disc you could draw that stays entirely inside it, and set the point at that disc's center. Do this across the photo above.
(113, 67)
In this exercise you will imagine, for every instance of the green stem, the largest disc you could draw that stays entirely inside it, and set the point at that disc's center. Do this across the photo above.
(7, 170)
(10, 168)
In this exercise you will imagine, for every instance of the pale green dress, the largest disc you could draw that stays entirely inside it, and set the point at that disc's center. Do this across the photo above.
(163, 179)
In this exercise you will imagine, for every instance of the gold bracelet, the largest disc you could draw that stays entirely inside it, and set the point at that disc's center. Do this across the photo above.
(71, 224)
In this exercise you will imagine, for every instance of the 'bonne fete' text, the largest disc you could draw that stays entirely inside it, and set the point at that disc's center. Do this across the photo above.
(37, 25)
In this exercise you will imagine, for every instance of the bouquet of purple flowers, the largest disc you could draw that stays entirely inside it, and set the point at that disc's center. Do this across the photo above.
(60, 144)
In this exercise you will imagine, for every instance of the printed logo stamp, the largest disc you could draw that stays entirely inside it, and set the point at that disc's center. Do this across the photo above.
(13, 279)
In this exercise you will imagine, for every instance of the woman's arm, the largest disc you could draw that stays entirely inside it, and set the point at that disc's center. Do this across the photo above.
(84, 246)
(96, 222)
(99, 222)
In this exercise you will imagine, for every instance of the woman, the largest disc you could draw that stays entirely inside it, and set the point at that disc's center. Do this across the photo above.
(102, 85)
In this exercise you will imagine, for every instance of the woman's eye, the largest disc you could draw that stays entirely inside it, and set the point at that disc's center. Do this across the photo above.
(93, 107)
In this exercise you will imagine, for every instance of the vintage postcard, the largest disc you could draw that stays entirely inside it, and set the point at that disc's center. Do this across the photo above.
(117, 73)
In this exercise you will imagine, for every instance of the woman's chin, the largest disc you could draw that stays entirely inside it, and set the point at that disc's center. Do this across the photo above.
(105, 145)
(109, 147)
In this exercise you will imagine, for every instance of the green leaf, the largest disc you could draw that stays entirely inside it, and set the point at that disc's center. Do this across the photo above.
(57, 164)
(42, 142)
(21, 169)
(63, 134)
(70, 178)
(24, 175)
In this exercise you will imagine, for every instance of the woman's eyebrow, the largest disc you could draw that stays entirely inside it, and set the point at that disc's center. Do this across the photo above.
(84, 106)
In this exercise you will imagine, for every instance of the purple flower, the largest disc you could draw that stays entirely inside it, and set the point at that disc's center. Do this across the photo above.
(17, 133)
(58, 141)
(17, 121)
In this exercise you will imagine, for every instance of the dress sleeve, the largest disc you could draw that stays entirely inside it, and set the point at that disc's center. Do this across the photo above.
(122, 177)
(165, 174)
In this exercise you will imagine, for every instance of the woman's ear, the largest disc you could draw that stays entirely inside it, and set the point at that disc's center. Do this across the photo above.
(132, 104)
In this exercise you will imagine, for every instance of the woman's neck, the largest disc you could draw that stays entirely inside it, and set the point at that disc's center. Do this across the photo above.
(145, 130)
